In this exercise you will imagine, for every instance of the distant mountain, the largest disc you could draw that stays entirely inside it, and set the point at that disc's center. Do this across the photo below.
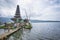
(44, 21)
(4, 19)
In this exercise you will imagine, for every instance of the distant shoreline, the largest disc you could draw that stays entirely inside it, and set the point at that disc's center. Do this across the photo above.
(42, 21)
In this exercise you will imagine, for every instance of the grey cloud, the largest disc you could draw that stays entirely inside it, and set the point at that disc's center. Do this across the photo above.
(53, 2)
(6, 7)
(41, 9)
(7, 3)
(56, 9)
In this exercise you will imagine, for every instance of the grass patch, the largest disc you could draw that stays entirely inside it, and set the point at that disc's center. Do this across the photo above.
(3, 27)
(28, 26)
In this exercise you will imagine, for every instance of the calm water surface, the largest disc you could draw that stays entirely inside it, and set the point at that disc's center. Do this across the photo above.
(2, 31)
(39, 31)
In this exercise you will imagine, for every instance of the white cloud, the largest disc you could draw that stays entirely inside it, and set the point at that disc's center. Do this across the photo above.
(37, 9)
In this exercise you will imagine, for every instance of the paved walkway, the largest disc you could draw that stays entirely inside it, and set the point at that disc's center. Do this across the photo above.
(5, 35)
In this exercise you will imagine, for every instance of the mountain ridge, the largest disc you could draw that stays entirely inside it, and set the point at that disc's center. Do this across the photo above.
(4, 19)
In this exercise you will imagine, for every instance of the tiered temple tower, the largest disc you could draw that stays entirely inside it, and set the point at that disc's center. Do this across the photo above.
(17, 18)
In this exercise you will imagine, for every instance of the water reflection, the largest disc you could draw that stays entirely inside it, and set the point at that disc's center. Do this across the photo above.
(19, 35)
(26, 34)
(39, 31)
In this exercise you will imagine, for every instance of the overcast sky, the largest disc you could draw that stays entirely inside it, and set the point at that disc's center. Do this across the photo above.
(36, 9)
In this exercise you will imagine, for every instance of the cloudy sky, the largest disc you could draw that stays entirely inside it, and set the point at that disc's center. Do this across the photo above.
(35, 9)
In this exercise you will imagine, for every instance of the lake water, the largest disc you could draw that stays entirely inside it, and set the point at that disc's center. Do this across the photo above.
(39, 31)
(2, 31)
